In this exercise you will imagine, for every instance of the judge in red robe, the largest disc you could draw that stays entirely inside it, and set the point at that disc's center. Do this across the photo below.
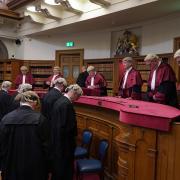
(24, 77)
(96, 81)
(56, 74)
(177, 56)
(161, 82)
(131, 81)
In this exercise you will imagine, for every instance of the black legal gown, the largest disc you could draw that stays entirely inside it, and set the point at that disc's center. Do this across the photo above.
(82, 79)
(48, 101)
(6, 102)
(64, 132)
(24, 145)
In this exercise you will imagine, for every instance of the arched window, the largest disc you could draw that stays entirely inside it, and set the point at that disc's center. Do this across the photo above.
(3, 51)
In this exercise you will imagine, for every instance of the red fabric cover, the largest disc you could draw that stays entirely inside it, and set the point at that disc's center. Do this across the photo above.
(91, 92)
(29, 79)
(99, 81)
(134, 78)
(50, 77)
(140, 113)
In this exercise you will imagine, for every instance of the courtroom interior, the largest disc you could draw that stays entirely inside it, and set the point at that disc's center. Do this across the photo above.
(89, 89)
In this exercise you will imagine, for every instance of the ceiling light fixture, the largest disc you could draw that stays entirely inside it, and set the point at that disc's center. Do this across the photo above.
(32, 9)
(51, 2)
(101, 2)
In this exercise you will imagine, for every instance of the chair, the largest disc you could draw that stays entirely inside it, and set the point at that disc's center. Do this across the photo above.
(83, 150)
(93, 165)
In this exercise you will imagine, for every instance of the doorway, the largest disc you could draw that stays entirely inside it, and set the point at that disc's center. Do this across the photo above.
(70, 62)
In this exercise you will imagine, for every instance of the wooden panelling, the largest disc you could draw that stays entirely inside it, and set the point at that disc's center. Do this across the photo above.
(135, 153)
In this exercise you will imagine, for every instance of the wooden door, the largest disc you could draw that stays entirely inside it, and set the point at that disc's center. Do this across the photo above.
(175, 65)
(70, 62)
(70, 66)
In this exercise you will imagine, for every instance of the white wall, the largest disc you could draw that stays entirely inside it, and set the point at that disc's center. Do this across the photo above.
(155, 36)
(95, 44)
(158, 36)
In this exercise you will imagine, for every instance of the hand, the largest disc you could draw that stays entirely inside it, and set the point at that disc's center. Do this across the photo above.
(154, 98)
(48, 83)
(91, 87)
(130, 98)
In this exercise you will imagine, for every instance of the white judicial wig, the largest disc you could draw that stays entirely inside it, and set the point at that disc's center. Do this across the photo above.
(90, 68)
(29, 97)
(60, 81)
(24, 87)
(75, 88)
(177, 54)
(24, 68)
(6, 84)
(150, 57)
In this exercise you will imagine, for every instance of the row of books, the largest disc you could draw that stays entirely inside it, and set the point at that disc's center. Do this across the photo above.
(41, 71)
(50, 64)
(142, 67)
(40, 79)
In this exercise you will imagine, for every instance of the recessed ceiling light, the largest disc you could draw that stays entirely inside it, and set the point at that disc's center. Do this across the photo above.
(50, 2)
(31, 8)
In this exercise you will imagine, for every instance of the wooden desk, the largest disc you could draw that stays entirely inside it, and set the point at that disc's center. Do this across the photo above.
(144, 137)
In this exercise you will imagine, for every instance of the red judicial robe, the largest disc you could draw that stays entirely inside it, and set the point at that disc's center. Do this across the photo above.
(29, 79)
(99, 83)
(165, 86)
(24, 150)
(133, 85)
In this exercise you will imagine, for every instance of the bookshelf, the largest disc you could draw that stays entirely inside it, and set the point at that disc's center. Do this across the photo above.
(40, 70)
(9, 69)
(106, 68)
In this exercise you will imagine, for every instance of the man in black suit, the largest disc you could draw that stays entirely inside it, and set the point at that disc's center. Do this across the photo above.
(64, 132)
(82, 77)
(6, 100)
(52, 96)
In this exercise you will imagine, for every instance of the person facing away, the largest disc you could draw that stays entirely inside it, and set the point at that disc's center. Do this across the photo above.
(52, 96)
(6, 101)
(96, 81)
(161, 82)
(131, 81)
(17, 96)
(82, 77)
(177, 56)
(56, 74)
(24, 77)
(64, 132)
(24, 139)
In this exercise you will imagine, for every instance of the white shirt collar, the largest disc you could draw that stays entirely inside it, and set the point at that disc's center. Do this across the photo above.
(57, 89)
(4, 89)
(66, 95)
(25, 104)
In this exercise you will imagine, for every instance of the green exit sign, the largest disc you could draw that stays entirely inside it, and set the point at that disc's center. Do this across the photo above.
(70, 44)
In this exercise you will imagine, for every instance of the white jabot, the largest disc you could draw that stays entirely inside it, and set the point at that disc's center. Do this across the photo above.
(92, 81)
(153, 81)
(24, 79)
(52, 80)
(125, 77)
